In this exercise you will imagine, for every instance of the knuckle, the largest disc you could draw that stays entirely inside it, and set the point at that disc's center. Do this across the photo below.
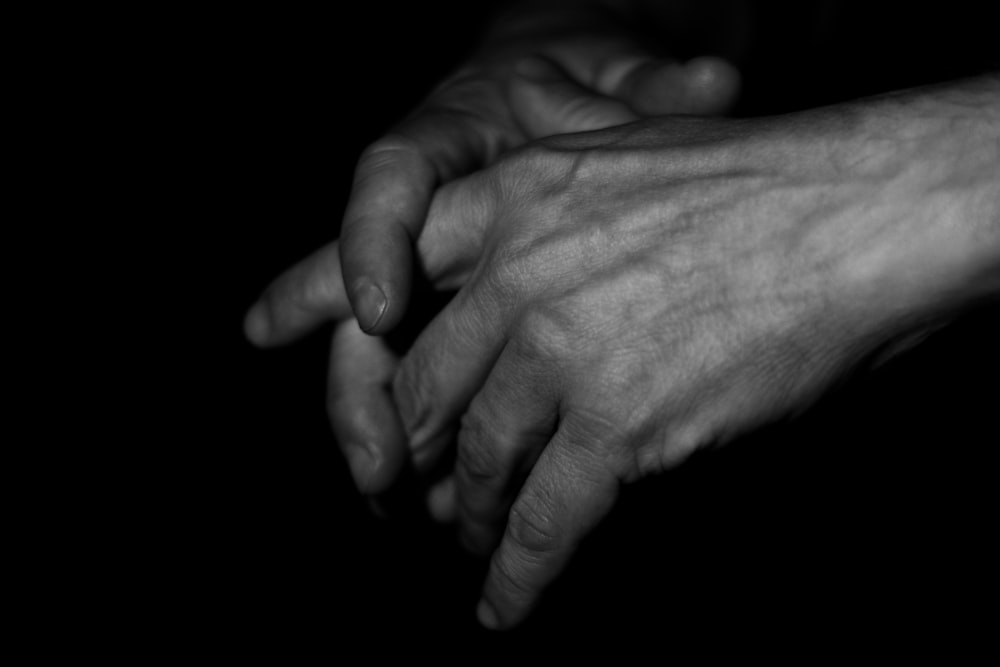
(517, 271)
(474, 319)
(387, 151)
(542, 334)
(504, 278)
(540, 159)
(532, 169)
(603, 443)
(532, 527)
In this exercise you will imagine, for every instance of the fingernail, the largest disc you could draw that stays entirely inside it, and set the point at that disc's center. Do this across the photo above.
(369, 303)
(362, 465)
(257, 325)
(487, 615)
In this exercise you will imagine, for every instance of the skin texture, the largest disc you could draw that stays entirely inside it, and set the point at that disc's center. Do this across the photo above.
(582, 77)
(632, 295)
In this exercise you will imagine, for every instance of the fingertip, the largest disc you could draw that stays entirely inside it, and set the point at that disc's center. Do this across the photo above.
(713, 80)
(711, 70)
(360, 409)
(441, 501)
(257, 324)
(487, 615)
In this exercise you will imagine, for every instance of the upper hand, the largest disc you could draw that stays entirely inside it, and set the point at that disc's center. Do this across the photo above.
(635, 294)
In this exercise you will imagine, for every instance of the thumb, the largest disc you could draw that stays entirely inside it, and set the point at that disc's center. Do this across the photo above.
(545, 100)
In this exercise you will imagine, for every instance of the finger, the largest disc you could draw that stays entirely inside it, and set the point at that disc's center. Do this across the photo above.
(504, 430)
(545, 100)
(450, 245)
(393, 183)
(444, 368)
(702, 86)
(451, 357)
(650, 85)
(299, 300)
(312, 292)
(566, 495)
(359, 402)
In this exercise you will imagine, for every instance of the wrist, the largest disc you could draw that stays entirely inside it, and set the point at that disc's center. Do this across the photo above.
(936, 249)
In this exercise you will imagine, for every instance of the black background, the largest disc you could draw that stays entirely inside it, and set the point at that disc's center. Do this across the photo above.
(868, 519)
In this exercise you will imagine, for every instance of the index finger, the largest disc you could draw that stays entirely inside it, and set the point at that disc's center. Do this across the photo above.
(299, 300)
(394, 181)
(564, 498)
(312, 292)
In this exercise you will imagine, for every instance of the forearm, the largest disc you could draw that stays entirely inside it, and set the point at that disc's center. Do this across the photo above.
(937, 153)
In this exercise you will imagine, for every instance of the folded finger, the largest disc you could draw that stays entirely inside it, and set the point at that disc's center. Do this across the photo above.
(361, 409)
(504, 430)
(546, 100)
(393, 185)
(651, 85)
(444, 369)
(567, 493)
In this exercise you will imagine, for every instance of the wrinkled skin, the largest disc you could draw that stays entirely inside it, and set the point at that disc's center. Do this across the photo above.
(629, 295)
(634, 294)
(582, 77)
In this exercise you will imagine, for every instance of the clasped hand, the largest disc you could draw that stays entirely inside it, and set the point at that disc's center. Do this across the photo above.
(625, 297)
(628, 297)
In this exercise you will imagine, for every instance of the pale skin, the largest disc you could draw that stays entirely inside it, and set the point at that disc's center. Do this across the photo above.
(577, 71)
(631, 294)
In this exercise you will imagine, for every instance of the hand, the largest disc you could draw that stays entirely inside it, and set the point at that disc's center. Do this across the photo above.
(634, 294)
(587, 81)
